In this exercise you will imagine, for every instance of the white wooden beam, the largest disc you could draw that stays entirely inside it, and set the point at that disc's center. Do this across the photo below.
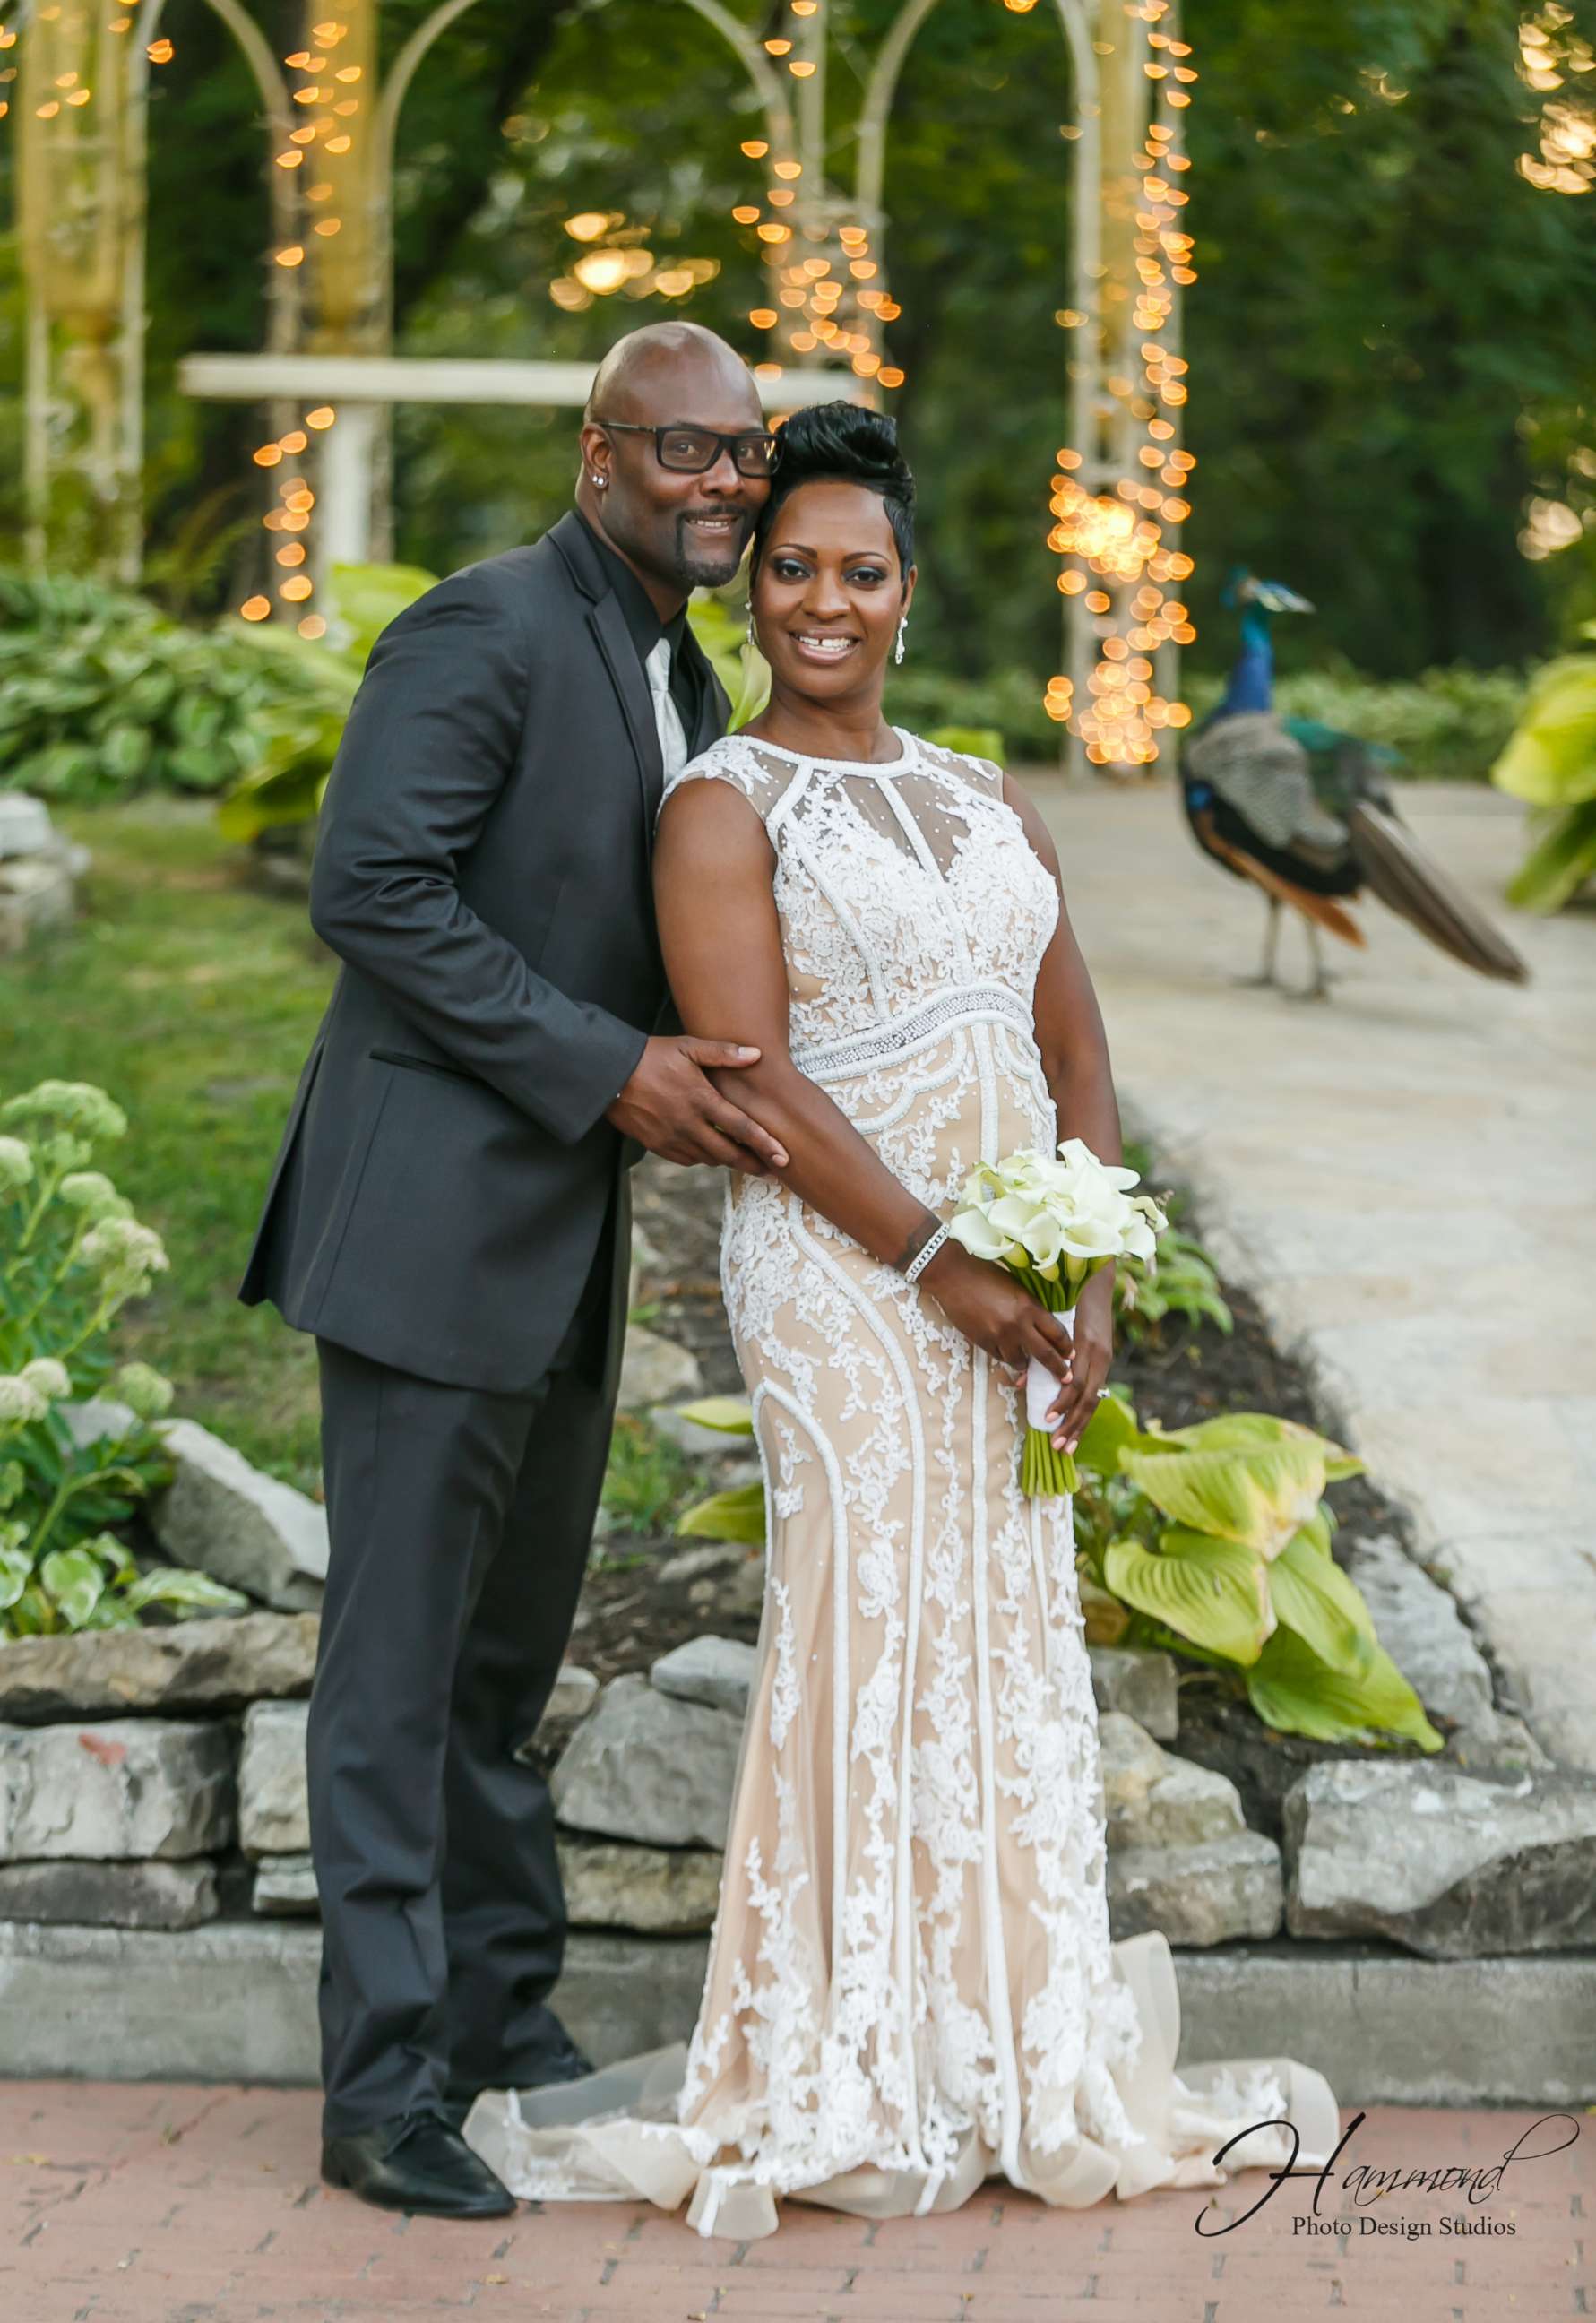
(424, 379)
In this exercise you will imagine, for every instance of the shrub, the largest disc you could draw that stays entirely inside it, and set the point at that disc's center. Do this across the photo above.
(1550, 763)
(301, 729)
(102, 696)
(1448, 724)
(71, 1255)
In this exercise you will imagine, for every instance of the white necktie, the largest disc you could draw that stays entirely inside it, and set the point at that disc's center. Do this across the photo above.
(672, 735)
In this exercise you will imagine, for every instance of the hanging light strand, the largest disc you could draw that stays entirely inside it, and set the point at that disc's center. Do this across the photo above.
(1120, 547)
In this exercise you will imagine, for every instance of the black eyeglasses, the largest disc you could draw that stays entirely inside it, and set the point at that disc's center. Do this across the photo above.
(691, 450)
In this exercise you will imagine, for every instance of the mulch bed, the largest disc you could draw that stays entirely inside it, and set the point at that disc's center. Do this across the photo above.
(629, 1614)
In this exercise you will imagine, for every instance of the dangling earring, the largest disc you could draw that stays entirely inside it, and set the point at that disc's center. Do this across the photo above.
(898, 649)
(751, 627)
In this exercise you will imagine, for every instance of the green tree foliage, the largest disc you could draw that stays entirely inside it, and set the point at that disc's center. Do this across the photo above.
(1389, 339)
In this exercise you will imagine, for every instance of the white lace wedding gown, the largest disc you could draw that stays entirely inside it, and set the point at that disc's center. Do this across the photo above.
(910, 1985)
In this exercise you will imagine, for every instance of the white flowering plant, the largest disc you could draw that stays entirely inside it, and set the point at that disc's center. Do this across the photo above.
(1054, 1220)
(71, 1256)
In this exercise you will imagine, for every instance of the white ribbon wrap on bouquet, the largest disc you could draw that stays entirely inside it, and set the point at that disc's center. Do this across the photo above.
(1042, 1385)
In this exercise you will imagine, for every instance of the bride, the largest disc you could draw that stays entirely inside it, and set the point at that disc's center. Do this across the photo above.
(911, 1984)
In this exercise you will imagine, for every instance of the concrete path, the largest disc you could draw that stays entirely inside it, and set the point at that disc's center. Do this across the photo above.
(1404, 1174)
(192, 2205)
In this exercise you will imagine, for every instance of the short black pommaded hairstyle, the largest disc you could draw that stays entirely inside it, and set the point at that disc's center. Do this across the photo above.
(841, 442)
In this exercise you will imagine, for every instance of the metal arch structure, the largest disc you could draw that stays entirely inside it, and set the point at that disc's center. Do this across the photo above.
(83, 392)
(85, 321)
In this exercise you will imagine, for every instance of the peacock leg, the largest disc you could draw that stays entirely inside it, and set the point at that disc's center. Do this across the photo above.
(1317, 987)
(1265, 972)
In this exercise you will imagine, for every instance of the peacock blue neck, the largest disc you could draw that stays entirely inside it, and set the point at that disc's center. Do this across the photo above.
(1252, 679)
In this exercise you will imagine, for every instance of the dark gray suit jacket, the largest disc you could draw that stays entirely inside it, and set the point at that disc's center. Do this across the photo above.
(482, 871)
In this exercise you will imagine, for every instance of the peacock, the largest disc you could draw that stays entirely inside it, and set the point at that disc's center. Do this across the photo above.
(1305, 814)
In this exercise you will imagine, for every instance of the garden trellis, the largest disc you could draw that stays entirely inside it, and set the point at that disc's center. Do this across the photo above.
(1116, 491)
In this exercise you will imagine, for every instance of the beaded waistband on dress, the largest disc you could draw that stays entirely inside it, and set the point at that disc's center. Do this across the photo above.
(927, 1021)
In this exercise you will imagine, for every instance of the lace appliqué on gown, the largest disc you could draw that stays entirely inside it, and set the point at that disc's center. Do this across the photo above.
(911, 1984)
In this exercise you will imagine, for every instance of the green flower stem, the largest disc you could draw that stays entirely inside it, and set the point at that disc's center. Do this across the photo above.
(1045, 1472)
(20, 1323)
(71, 1487)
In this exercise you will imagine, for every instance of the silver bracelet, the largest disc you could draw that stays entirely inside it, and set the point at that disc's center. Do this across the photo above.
(924, 1254)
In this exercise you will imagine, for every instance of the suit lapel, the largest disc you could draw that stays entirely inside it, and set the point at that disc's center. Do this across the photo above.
(608, 623)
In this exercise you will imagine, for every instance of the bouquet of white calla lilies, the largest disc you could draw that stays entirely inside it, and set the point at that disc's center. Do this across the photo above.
(1053, 1221)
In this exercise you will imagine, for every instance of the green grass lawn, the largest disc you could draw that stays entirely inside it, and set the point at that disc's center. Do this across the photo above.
(191, 996)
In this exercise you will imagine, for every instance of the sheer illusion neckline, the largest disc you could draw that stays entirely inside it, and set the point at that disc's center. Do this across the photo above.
(844, 765)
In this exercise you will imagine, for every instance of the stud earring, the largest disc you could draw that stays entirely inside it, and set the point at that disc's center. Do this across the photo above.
(600, 482)
(898, 648)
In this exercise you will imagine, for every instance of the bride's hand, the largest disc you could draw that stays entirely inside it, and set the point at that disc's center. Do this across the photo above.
(1076, 1399)
(990, 1307)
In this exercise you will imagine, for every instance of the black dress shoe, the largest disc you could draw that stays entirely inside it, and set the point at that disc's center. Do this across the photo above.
(416, 2162)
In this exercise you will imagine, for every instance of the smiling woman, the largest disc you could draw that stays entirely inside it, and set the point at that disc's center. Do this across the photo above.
(911, 1986)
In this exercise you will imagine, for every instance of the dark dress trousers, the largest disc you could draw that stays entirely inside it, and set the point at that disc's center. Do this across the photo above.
(449, 1215)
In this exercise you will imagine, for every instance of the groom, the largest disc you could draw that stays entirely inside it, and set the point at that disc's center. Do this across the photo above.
(449, 1215)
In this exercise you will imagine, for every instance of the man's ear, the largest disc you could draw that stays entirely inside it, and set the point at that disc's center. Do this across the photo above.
(595, 449)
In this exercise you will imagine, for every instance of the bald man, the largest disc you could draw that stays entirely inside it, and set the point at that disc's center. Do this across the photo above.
(449, 1215)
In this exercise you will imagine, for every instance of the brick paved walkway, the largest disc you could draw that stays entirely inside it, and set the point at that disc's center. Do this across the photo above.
(184, 2204)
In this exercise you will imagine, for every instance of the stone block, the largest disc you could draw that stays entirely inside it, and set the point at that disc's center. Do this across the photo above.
(1205, 1894)
(1151, 1799)
(718, 1671)
(644, 1765)
(655, 1369)
(273, 1802)
(123, 1788)
(236, 2001)
(110, 1895)
(575, 1690)
(1446, 1863)
(1139, 1682)
(223, 1517)
(663, 1891)
(285, 1885)
(211, 1664)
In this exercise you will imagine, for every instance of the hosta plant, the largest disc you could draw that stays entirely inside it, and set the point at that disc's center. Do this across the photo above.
(1211, 1542)
(71, 1255)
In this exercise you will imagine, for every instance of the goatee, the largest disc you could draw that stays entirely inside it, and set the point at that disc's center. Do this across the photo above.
(698, 567)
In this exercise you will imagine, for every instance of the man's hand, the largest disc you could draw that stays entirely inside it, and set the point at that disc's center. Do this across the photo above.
(672, 1106)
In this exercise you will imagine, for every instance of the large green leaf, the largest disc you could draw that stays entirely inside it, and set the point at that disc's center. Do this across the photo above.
(369, 596)
(190, 1593)
(1559, 863)
(1249, 1431)
(1550, 760)
(16, 1570)
(731, 1415)
(1312, 1595)
(1293, 1691)
(1111, 1432)
(73, 1579)
(738, 1515)
(1214, 1592)
(1257, 1496)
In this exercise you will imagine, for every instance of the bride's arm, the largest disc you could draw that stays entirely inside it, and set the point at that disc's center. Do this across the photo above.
(1075, 1058)
(721, 936)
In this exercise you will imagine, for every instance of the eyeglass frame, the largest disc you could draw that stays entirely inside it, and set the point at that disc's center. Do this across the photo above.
(723, 443)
